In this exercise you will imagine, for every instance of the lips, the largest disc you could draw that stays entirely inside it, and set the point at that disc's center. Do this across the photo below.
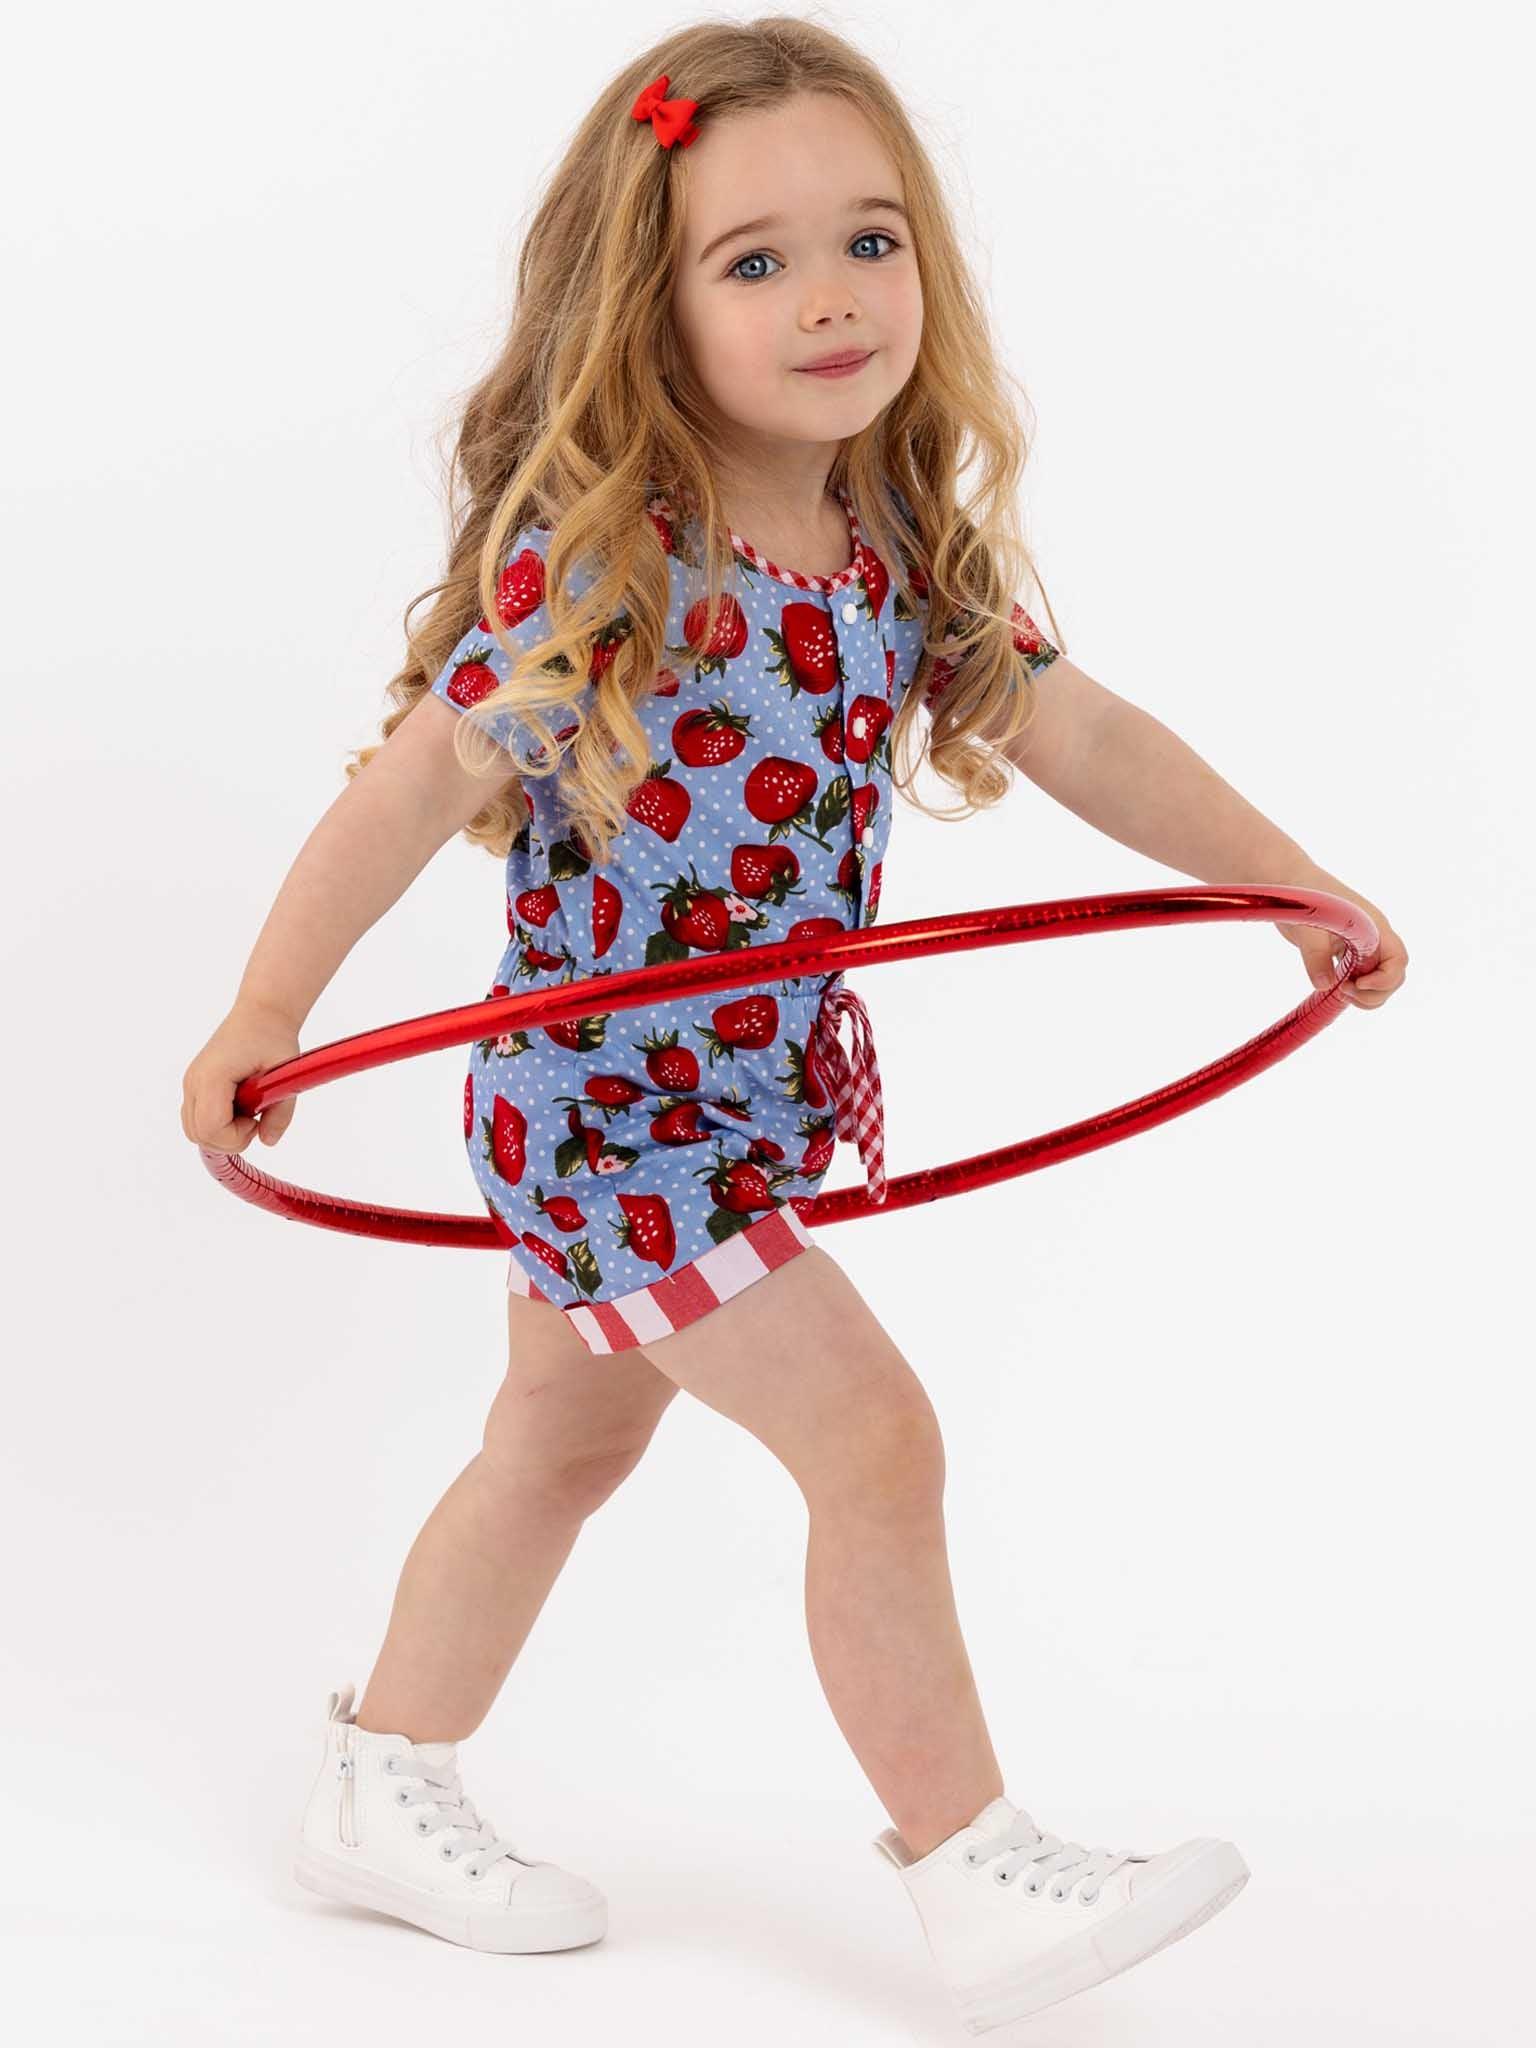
(844, 356)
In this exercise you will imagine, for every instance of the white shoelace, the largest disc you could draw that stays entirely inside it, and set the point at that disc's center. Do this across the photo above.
(1067, 1863)
(449, 1809)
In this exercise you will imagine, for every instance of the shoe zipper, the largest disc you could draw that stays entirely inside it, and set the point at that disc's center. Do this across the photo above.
(346, 1769)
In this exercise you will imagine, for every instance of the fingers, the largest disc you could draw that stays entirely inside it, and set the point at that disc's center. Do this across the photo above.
(233, 1137)
(244, 1048)
(216, 1129)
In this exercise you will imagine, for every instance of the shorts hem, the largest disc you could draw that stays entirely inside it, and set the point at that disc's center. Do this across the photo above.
(670, 1303)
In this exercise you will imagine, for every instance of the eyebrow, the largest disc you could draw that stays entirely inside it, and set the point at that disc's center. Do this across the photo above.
(773, 220)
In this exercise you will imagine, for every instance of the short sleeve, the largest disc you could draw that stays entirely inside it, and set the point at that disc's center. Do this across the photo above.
(478, 665)
(1029, 642)
(1036, 650)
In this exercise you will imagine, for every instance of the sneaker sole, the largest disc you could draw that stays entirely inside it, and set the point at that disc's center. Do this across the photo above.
(1191, 1895)
(498, 1930)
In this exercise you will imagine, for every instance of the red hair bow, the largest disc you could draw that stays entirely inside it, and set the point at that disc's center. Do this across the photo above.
(671, 120)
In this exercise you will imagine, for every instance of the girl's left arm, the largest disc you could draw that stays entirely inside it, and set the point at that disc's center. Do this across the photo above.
(1124, 772)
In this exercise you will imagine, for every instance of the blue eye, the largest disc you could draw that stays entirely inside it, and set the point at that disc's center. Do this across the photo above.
(869, 235)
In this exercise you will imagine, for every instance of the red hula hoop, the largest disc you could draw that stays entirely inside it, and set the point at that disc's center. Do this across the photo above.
(1008, 925)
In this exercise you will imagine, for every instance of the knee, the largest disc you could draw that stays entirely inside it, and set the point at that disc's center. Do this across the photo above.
(891, 1462)
(585, 1483)
(573, 1482)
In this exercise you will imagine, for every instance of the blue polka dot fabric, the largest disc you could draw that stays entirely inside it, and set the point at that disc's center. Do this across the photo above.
(641, 1164)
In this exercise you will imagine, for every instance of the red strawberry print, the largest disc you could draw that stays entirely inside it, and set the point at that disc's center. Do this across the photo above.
(519, 591)
(579, 1034)
(741, 1187)
(678, 1124)
(671, 1066)
(648, 1230)
(472, 680)
(763, 870)
(703, 739)
(867, 719)
(768, 757)
(1028, 640)
(778, 791)
(694, 915)
(562, 1212)
(505, 1131)
(817, 1156)
(605, 646)
(849, 869)
(828, 727)
(812, 1088)
(660, 802)
(866, 798)
(588, 1147)
(733, 1103)
(748, 1021)
(538, 906)
(607, 908)
(807, 650)
(612, 1091)
(876, 579)
(725, 642)
(552, 1256)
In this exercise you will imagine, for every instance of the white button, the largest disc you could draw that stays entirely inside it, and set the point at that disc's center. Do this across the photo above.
(850, 613)
(867, 836)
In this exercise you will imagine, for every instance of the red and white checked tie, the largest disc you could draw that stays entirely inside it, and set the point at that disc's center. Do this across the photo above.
(858, 1106)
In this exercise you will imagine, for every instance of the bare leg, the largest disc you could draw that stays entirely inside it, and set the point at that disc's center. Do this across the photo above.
(799, 1359)
(564, 1429)
(886, 1642)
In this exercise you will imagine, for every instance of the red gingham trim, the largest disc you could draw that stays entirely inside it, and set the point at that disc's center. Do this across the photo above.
(793, 576)
(858, 1102)
(680, 1298)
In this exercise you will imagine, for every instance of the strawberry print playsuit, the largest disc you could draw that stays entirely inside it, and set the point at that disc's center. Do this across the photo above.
(643, 1165)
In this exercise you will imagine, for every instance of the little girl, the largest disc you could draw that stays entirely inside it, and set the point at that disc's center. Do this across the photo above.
(681, 744)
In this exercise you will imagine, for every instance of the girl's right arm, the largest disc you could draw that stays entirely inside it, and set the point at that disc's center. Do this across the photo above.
(359, 860)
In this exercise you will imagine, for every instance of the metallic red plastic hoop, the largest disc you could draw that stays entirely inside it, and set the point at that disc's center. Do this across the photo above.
(1008, 925)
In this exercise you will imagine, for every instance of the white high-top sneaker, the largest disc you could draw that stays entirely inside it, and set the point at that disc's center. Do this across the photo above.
(1017, 1919)
(388, 1826)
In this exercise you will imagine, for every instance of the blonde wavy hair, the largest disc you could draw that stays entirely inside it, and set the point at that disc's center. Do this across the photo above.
(590, 407)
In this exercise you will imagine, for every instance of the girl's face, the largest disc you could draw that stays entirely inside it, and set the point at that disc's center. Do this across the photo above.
(833, 270)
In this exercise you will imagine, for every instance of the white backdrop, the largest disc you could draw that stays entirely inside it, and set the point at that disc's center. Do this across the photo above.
(1236, 1414)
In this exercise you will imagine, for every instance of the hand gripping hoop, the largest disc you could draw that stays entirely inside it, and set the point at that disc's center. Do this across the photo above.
(1005, 926)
